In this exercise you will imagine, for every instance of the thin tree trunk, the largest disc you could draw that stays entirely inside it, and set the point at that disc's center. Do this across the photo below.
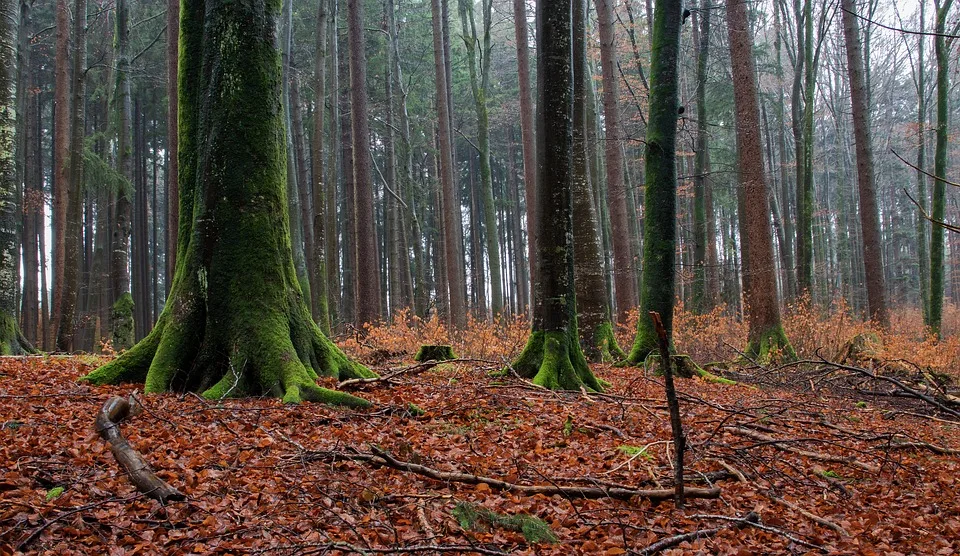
(335, 297)
(173, 190)
(922, 251)
(939, 168)
(320, 287)
(121, 316)
(527, 140)
(701, 301)
(61, 162)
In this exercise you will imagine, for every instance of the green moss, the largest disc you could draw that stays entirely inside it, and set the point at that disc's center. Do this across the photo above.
(602, 346)
(432, 352)
(771, 347)
(474, 517)
(121, 322)
(553, 361)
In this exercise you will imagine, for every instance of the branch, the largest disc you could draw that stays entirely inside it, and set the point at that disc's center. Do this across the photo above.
(928, 174)
(928, 218)
(898, 29)
(141, 474)
(780, 444)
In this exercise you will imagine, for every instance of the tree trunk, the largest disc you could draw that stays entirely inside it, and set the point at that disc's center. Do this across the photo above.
(939, 168)
(121, 315)
(624, 274)
(922, 251)
(552, 357)
(527, 139)
(348, 206)
(73, 234)
(320, 286)
(61, 162)
(237, 322)
(702, 302)
(869, 218)
(173, 172)
(660, 219)
(334, 296)
(367, 274)
(593, 318)
(805, 193)
(452, 233)
(765, 333)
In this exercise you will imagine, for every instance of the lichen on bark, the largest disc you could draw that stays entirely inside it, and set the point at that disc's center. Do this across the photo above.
(236, 320)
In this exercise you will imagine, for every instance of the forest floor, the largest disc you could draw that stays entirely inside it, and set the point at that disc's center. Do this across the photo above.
(808, 458)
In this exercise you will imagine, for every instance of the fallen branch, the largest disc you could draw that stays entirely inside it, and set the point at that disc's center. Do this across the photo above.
(917, 445)
(780, 444)
(746, 521)
(380, 457)
(809, 515)
(414, 369)
(141, 474)
(912, 392)
(673, 541)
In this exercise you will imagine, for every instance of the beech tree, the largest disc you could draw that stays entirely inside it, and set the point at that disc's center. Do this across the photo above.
(552, 356)
(659, 225)
(765, 333)
(12, 341)
(236, 321)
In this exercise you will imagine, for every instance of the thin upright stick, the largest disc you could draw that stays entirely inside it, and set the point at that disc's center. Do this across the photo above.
(679, 441)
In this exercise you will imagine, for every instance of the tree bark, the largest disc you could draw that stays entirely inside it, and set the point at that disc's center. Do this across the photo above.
(939, 168)
(321, 286)
(173, 171)
(237, 322)
(765, 333)
(702, 300)
(61, 162)
(869, 217)
(121, 315)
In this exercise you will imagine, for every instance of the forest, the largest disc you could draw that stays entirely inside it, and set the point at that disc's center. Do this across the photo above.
(479, 277)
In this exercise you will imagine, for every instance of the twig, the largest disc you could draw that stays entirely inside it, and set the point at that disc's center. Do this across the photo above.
(779, 443)
(414, 369)
(679, 441)
(918, 445)
(36, 532)
(756, 523)
(809, 515)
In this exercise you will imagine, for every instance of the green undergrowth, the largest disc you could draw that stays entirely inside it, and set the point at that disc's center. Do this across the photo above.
(474, 517)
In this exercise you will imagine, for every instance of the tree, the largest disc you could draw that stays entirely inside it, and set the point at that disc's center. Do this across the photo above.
(552, 356)
(869, 218)
(765, 332)
(452, 231)
(939, 167)
(527, 136)
(624, 274)
(12, 341)
(321, 311)
(236, 321)
(121, 315)
(660, 202)
(173, 201)
(61, 161)
(593, 316)
(703, 297)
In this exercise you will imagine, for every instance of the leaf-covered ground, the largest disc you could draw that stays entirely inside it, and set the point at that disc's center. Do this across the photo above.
(822, 470)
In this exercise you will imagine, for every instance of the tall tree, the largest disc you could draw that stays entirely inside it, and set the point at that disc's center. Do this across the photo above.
(73, 234)
(527, 137)
(552, 356)
(173, 200)
(480, 87)
(624, 273)
(660, 202)
(869, 217)
(12, 341)
(922, 251)
(236, 322)
(121, 315)
(452, 232)
(765, 332)
(61, 161)
(805, 193)
(702, 297)
(939, 166)
(320, 287)
(593, 306)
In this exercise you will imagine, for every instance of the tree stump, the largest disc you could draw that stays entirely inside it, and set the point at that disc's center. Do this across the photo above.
(434, 352)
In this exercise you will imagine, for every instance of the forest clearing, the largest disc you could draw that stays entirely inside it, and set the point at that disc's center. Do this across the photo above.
(844, 468)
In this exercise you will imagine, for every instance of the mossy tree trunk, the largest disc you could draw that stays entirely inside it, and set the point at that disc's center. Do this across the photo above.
(236, 321)
(11, 340)
(765, 334)
(593, 314)
(552, 356)
(660, 202)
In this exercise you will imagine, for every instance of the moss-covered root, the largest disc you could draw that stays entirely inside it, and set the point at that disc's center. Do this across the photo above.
(433, 352)
(12, 342)
(132, 365)
(771, 347)
(602, 347)
(553, 361)
(121, 322)
(644, 344)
